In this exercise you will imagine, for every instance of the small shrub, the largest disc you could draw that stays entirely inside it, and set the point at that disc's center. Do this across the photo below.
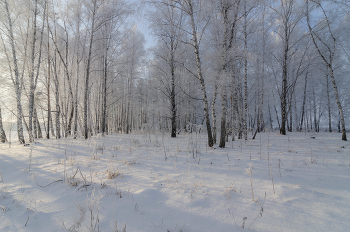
(113, 174)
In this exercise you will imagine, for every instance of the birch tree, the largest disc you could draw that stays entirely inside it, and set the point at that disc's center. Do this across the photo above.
(31, 77)
(198, 21)
(15, 75)
(116, 13)
(226, 18)
(326, 48)
(166, 24)
(289, 13)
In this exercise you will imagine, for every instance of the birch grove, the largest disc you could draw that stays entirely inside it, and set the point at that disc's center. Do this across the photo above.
(225, 69)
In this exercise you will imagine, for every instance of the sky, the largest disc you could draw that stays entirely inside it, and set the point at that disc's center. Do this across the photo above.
(143, 25)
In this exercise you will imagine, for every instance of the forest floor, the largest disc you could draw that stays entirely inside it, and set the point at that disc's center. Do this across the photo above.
(151, 182)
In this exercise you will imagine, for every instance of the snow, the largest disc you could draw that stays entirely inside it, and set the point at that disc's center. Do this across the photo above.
(151, 182)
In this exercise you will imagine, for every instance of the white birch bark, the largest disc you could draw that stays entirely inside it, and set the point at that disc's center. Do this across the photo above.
(16, 78)
(31, 76)
(329, 62)
(329, 107)
(87, 74)
(245, 82)
(200, 74)
(48, 79)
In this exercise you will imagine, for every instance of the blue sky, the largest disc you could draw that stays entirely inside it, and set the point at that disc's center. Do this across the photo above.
(142, 25)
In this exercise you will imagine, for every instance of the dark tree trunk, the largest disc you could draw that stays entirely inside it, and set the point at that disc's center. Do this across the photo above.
(329, 107)
(3, 138)
(303, 106)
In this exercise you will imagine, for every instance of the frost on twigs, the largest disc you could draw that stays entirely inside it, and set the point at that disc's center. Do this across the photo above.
(78, 218)
(260, 214)
(249, 170)
(93, 204)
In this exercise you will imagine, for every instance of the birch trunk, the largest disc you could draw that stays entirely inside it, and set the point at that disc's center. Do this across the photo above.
(261, 106)
(104, 103)
(71, 114)
(342, 121)
(200, 75)
(224, 111)
(314, 106)
(16, 80)
(329, 62)
(290, 112)
(86, 91)
(213, 112)
(76, 105)
(48, 79)
(223, 78)
(236, 104)
(36, 121)
(245, 107)
(329, 107)
(78, 59)
(284, 82)
(245, 110)
(3, 138)
(35, 124)
(233, 127)
(303, 106)
(31, 77)
(57, 100)
(172, 93)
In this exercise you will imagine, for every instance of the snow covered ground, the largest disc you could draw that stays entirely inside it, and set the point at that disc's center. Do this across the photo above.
(150, 182)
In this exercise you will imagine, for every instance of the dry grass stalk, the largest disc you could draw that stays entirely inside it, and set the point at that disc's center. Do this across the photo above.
(273, 185)
(113, 174)
(251, 181)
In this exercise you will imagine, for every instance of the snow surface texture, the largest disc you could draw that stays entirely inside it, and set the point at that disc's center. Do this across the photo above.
(151, 182)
